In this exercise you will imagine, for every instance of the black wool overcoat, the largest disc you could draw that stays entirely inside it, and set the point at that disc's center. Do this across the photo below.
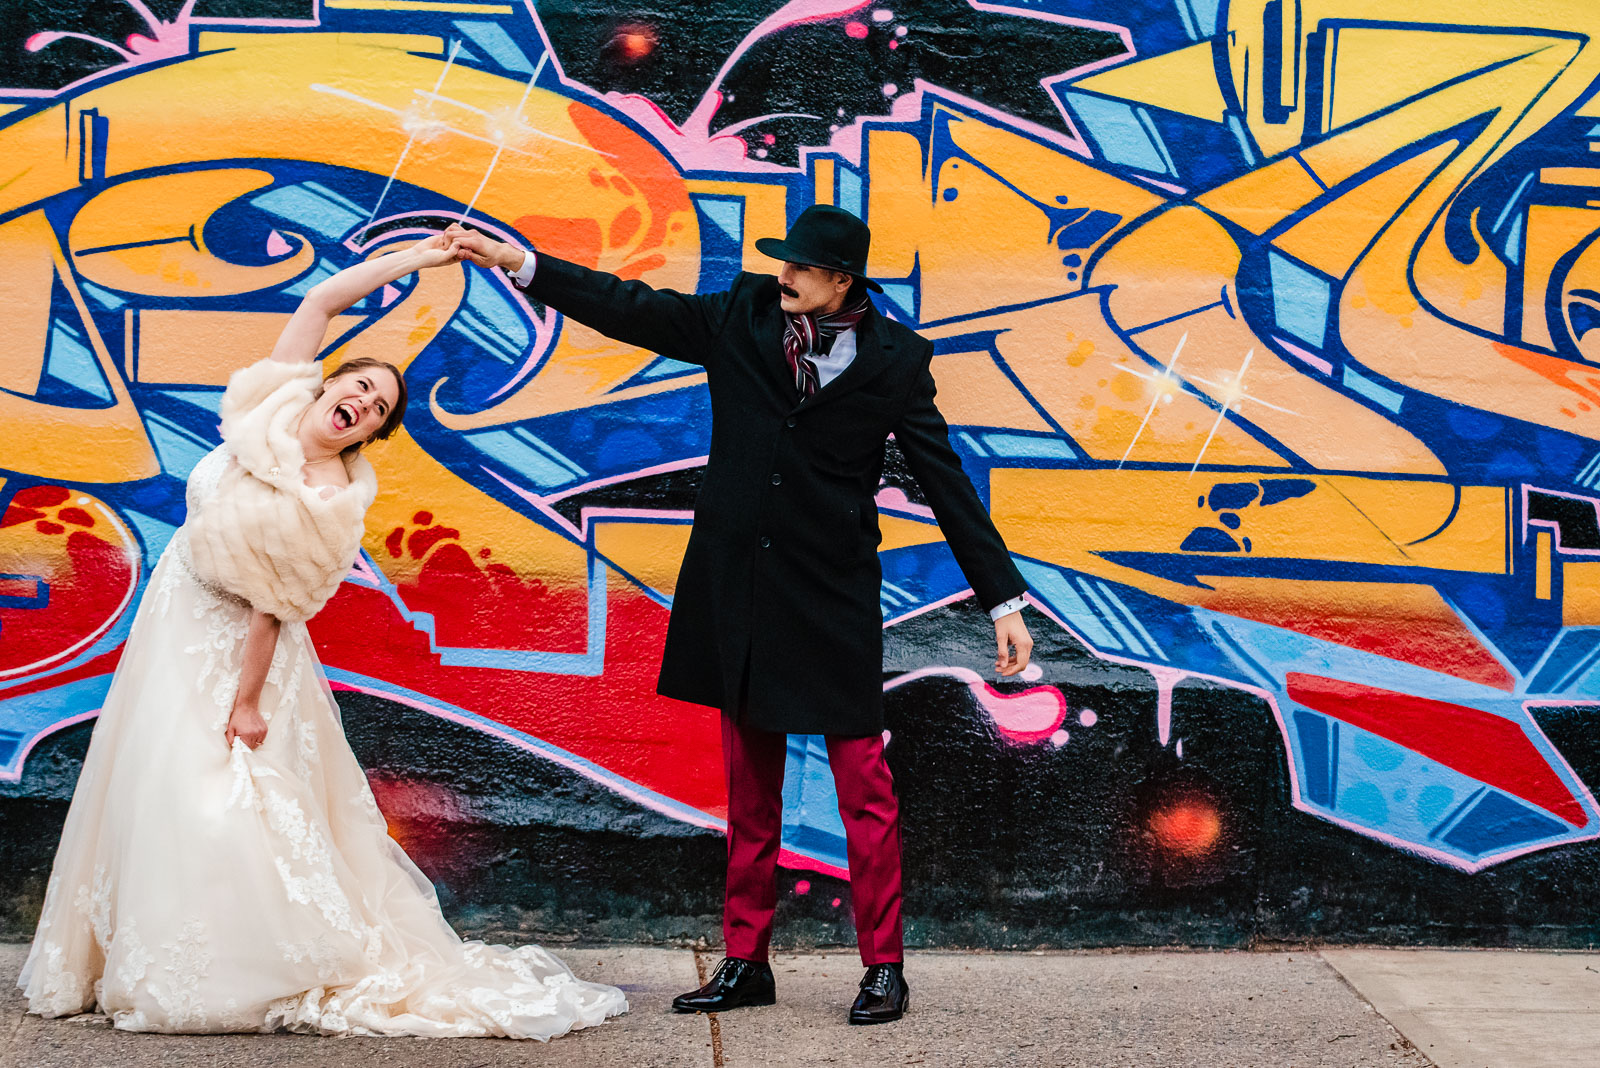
(777, 601)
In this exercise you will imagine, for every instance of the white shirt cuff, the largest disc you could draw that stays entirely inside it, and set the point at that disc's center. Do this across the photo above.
(1016, 604)
(524, 274)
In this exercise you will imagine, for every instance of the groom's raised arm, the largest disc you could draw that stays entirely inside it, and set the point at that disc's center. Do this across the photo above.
(680, 325)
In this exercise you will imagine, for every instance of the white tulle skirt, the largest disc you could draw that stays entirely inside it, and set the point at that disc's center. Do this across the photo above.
(202, 890)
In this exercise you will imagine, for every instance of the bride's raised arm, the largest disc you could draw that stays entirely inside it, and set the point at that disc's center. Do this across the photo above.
(301, 339)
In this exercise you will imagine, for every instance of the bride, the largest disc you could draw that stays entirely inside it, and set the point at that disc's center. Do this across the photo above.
(224, 866)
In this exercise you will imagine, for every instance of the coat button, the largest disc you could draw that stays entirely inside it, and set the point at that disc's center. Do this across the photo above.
(777, 479)
(789, 421)
(766, 543)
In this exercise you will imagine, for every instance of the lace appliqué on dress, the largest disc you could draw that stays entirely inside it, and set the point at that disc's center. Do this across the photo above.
(188, 962)
(318, 952)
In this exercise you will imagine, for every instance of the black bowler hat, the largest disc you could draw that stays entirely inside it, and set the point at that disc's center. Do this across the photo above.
(825, 236)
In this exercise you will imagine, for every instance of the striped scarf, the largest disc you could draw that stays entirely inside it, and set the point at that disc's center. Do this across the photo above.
(807, 335)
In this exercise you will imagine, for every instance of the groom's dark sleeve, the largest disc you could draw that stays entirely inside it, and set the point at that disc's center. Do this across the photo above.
(683, 326)
(924, 440)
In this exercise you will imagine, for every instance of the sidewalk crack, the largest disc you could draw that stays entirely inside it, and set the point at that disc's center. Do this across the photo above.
(700, 968)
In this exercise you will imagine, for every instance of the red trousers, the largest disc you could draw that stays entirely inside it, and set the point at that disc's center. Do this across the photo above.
(752, 761)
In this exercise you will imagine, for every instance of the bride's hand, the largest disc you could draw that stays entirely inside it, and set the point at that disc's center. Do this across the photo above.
(246, 725)
(435, 251)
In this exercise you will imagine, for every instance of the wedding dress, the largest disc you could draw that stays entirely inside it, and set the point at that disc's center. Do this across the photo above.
(198, 889)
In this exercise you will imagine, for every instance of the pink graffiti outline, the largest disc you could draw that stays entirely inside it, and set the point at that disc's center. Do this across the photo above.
(992, 701)
(52, 729)
(171, 40)
(581, 533)
(1551, 525)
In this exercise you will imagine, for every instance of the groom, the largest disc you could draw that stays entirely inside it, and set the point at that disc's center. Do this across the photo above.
(776, 619)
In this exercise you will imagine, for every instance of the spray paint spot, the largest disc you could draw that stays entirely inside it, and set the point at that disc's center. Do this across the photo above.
(632, 42)
(899, 31)
(803, 886)
(770, 139)
(882, 14)
(858, 30)
(1059, 739)
(1031, 673)
(1188, 828)
(891, 89)
(837, 902)
(1088, 717)
(893, 45)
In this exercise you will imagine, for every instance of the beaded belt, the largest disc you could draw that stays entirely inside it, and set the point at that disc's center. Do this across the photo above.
(180, 552)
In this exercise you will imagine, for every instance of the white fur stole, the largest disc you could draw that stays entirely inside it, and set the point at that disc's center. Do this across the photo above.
(264, 535)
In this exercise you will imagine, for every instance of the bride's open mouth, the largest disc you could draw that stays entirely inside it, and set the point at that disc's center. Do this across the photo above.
(344, 416)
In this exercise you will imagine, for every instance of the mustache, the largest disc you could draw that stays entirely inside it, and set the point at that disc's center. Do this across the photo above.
(786, 291)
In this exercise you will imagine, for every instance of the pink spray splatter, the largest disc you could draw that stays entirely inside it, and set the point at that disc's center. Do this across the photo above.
(694, 144)
(1034, 715)
(160, 41)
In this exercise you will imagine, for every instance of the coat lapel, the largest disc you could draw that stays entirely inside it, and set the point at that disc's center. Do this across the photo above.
(769, 341)
(874, 349)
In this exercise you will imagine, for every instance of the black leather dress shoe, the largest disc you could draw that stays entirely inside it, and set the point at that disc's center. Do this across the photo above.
(735, 983)
(884, 996)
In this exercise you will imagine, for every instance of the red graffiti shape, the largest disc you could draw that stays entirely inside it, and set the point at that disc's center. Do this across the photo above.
(1486, 747)
(615, 719)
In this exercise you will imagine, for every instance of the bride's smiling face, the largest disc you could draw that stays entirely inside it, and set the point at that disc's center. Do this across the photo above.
(354, 406)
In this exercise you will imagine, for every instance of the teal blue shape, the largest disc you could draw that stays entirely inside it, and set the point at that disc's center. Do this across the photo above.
(1116, 129)
(1299, 299)
(1205, 15)
(177, 449)
(1377, 753)
(1026, 445)
(209, 400)
(1514, 242)
(309, 205)
(153, 533)
(902, 297)
(1433, 802)
(850, 191)
(70, 361)
(497, 44)
(666, 366)
(727, 214)
(1053, 588)
(1371, 390)
(1365, 802)
(103, 297)
(321, 272)
(529, 456)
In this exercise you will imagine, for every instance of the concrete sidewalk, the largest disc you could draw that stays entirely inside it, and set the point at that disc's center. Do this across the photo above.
(1052, 1010)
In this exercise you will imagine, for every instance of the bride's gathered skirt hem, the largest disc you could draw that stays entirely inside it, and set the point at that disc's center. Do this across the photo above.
(199, 889)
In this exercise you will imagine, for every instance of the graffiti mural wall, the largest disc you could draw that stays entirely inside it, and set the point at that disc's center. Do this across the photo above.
(1270, 331)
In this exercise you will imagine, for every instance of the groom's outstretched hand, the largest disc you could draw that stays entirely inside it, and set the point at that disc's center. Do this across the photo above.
(482, 249)
(1016, 644)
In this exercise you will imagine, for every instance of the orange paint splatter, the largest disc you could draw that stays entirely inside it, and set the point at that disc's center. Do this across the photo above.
(1188, 828)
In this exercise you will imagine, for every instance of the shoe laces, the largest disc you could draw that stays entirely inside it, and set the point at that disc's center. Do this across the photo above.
(879, 978)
